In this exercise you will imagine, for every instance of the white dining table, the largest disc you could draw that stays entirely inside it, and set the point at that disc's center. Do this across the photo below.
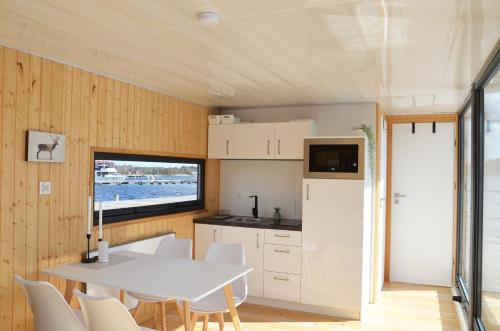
(181, 279)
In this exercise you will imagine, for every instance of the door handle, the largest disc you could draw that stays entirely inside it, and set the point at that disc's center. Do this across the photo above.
(279, 146)
(268, 148)
(257, 240)
(282, 236)
(227, 147)
(215, 231)
(307, 192)
(282, 279)
(399, 195)
(280, 251)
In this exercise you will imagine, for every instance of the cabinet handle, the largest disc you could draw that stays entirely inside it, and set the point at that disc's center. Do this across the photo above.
(307, 192)
(280, 251)
(227, 147)
(268, 147)
(279, 146)
(282, 236)
(283, 279)
(258, 234)
(215, 231)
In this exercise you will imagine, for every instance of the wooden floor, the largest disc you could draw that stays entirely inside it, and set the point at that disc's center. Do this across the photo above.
(491, 311)
(401, 307)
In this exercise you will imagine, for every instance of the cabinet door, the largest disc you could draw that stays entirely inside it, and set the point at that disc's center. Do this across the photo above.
(289, 139)
(253, 241)
(254, 141)
(205, 235)
(220, 141)
(332, 243)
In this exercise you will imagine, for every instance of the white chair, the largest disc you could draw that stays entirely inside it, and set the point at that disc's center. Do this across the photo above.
(215, 303)
(51, 311)
(106, 314)
(168, 247)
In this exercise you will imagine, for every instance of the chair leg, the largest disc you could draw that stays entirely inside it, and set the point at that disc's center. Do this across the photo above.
(136, 311)
(163, 317)
(220, 318)
(194, 318)
(205, 322)
(179, 310)
(154, 317)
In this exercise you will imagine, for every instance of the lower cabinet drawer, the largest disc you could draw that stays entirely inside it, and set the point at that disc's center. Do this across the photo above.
(284, 259)
(281, 286)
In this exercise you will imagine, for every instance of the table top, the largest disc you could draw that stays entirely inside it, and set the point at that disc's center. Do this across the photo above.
(180, 279)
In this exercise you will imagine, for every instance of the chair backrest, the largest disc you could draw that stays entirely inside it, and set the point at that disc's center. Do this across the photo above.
(230, 254)
(172, 247)
(51, 311)
(105, 313)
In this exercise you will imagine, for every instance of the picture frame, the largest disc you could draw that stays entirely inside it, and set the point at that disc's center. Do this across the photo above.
(45, 147)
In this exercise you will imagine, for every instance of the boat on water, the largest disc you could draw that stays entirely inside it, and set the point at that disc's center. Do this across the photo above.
(105, 173)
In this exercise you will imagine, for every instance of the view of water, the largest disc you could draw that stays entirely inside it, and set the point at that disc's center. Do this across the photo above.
(145, 191)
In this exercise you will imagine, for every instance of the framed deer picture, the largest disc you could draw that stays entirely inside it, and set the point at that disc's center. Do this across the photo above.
(45, 147)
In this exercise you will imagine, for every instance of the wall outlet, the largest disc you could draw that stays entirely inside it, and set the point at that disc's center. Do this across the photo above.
(44, 188)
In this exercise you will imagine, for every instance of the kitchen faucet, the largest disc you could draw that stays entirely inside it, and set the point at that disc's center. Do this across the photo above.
(255, 210)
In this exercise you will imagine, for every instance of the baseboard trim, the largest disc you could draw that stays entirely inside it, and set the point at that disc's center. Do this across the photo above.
(329, 311)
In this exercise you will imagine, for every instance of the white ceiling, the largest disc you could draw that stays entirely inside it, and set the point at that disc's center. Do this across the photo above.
(410, 55)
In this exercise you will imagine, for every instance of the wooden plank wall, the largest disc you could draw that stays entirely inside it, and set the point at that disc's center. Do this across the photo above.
(93, 111)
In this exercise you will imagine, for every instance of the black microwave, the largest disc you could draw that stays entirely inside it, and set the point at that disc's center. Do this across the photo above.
(334, 158)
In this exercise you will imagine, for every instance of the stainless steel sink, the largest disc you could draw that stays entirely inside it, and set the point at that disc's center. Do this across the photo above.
(248, 219)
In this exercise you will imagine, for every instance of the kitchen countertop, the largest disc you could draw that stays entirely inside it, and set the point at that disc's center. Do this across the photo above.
(267, 223)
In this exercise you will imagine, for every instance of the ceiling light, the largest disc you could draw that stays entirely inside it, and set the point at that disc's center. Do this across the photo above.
(208, 18)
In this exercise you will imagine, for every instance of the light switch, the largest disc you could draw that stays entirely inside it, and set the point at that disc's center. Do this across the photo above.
(44, 188)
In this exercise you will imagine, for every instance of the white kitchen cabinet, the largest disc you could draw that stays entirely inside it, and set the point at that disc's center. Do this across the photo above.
(281, 286)
(205, 235)
(253, 241)
(285, 259)
(254, 141)
(289, 139)
(333, 238)
(220, 141)
(283, 237)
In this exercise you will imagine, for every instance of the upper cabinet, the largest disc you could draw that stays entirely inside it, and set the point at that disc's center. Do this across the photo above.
(254, 141)
(289, 139)
(221, 141)
(259, 141)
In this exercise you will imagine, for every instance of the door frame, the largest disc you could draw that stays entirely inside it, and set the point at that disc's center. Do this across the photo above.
(426, 118)
(374, 290)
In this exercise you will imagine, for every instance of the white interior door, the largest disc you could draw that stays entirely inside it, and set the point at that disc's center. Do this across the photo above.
(422, 204)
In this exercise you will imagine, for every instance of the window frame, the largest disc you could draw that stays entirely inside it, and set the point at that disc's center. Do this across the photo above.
(133, 213)
(476, 101)
(461, 126)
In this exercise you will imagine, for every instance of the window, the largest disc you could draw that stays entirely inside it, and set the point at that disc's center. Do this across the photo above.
(478, 240)
(466, 201)
(131, 186)
(490, 278)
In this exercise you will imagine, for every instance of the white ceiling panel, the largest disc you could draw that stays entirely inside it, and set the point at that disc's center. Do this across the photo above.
(411, 56)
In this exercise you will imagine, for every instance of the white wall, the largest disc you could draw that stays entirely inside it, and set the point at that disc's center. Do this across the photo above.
(278, 183)
(332, 120)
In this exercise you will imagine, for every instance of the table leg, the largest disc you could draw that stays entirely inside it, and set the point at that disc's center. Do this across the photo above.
(68, 293)
(122, 296)
(187, 317)
(228, 293)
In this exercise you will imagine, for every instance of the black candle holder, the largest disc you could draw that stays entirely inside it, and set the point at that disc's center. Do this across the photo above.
(87, 258)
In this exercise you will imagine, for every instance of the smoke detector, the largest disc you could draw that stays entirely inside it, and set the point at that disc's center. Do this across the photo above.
(209, 18)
